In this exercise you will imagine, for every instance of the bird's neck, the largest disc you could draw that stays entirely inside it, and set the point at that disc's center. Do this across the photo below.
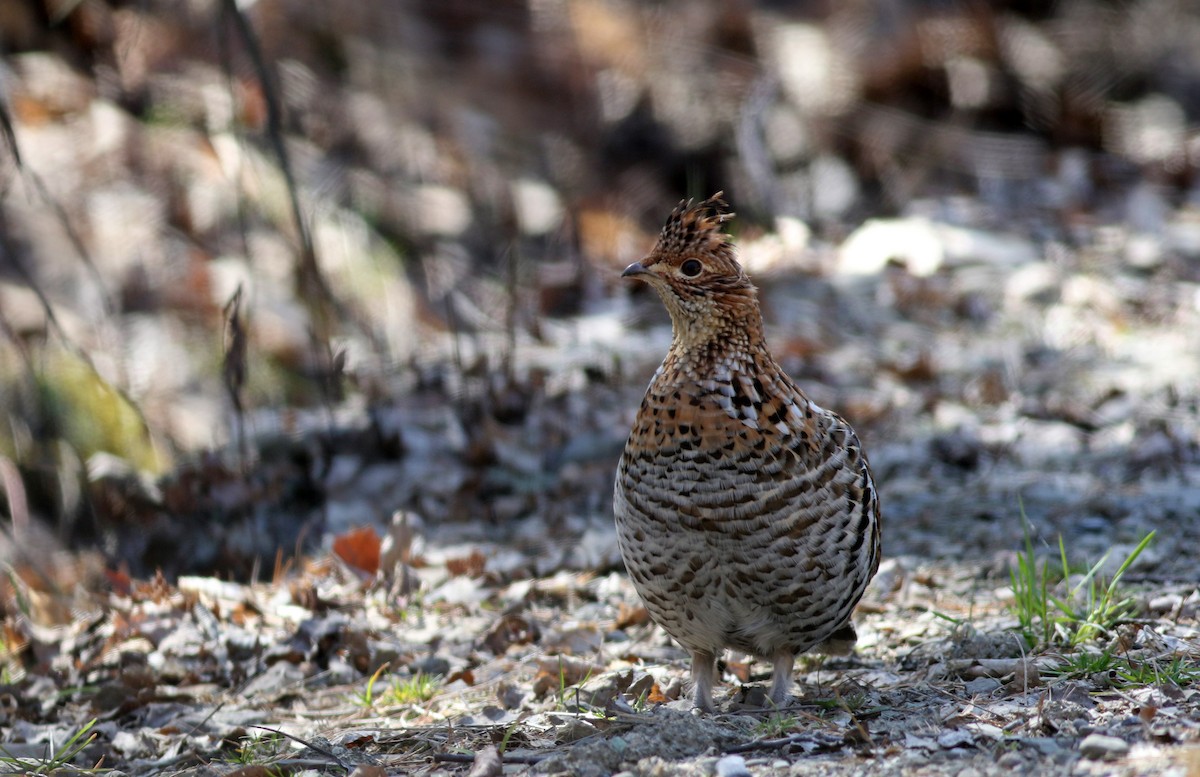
(729, 341)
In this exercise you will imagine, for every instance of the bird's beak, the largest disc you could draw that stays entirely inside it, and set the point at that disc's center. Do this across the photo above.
(633, 270)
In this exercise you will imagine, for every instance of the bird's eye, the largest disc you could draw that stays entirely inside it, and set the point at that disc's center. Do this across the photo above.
(691, 268)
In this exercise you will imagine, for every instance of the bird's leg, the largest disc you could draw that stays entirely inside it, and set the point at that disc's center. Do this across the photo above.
(781, 677)
(704, 673)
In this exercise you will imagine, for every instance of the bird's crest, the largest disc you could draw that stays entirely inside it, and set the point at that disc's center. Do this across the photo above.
(694, 228)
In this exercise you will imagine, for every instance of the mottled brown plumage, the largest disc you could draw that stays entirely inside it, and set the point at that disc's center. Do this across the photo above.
(746, 514)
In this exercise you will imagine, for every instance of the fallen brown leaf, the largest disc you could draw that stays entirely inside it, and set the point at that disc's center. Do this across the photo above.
(363, 770)
(559, 672)
(471, 566)
(656, 695)
(359, 548)
(739, 669)
(631, 616)
(466, 675)
(511, 629)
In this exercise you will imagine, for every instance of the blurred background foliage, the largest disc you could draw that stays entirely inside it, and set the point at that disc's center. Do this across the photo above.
(408, 193)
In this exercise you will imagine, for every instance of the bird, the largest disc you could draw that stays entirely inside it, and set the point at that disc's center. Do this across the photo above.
(747, 515)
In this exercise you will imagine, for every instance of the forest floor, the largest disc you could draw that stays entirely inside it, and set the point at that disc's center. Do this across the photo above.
(564, 675)
(392, 279)
(1017, 625)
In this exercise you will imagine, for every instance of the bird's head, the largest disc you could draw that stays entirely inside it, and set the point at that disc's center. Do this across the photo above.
(693, 269)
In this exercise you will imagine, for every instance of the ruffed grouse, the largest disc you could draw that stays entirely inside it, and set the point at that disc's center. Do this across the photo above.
(746, 514)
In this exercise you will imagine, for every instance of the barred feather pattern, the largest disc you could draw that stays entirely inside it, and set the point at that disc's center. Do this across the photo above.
(746, 514)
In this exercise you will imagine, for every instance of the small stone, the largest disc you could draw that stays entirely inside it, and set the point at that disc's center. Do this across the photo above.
(1011, 760)
(1044, 745)
(277, 677)
(913, 741)
(732, 766)
(1095, 524)
(431, 665)
(1103, 747)
(982, 686)
(1165, 603)
(956, 738)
